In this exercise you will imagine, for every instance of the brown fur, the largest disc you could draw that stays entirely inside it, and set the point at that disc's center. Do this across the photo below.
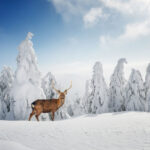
(47, 105)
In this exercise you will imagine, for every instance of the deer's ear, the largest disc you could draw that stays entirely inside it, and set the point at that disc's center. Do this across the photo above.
(58, 92)
(65, 92)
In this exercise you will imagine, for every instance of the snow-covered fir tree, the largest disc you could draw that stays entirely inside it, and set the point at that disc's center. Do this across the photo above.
(47, 82)
(47, 85)
(1, 112)
(135, 93)
(76, 108)
(98, 98)
(147, 88)
(27, 84)
(85, 101)
(117, 87)
(62, 112)
(6, 80)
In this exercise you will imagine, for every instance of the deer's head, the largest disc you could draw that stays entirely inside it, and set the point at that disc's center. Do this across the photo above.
(61, 94)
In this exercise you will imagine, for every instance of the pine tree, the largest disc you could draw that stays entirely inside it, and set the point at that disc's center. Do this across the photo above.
(85, 101)
(50, 93)
(147, 88)
(76, 108)
(27, 83)
(6, 80)
(98, 98)
(47, 85)
(117, 88)
(62, 112)
(135, 93)
(1, 112)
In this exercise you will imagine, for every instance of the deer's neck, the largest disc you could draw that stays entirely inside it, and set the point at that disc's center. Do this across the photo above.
(61, 101)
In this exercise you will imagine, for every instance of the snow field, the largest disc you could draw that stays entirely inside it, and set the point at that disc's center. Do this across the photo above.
(110, 131)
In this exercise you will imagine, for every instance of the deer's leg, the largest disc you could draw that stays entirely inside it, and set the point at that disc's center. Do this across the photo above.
(53, 115)
(37, 117)
(32, 113)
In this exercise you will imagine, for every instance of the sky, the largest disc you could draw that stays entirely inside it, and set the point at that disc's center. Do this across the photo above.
(71, 35)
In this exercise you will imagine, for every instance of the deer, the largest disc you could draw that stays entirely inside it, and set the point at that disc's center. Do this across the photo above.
(48, 105)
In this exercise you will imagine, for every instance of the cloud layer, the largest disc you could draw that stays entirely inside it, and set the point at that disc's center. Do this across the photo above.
(94, 12)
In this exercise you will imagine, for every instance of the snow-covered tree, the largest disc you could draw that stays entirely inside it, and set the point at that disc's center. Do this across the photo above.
(135, 93)
(85, 101)
(147, 88)
(27, 84)
(76, 108)
(50, 93)
(6, 80)
(117, 87)
(62, 112)
(98, 98)
(47, 85)
(1, 112)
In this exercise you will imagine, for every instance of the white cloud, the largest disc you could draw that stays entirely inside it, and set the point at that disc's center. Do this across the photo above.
(129, 7)
(91, 11)
(118, 5)
(74, 7)
(69, 8)
(132, 32)
(65, 8)
(135, 12)
(104, 39)
(86, 10)
(93, 8)
(93, 16)
(137, 27)
(136, 30)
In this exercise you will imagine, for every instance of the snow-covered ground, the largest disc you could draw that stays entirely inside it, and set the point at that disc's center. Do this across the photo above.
(111, 131)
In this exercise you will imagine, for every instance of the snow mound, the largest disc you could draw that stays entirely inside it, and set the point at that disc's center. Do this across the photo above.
(7, 145)
(110, 131)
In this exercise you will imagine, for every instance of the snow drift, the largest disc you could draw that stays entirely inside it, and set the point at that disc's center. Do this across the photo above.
(111, 131)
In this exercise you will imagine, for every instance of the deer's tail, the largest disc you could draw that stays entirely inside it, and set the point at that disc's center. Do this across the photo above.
(33, 105)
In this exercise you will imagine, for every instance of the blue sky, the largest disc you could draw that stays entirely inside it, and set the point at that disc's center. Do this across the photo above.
(71, 35)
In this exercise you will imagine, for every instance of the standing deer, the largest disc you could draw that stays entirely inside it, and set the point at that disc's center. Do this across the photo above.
(48, 105)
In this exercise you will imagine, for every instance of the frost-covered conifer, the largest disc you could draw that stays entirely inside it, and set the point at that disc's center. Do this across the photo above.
(147, 88)
(98, 98)
(1, 114)
(6, 79)
(76, 108)
(62, 112)
(117, 88)
(50, 93)
(47, 85)
(135, 94)
(85, 101)
(27, 84)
